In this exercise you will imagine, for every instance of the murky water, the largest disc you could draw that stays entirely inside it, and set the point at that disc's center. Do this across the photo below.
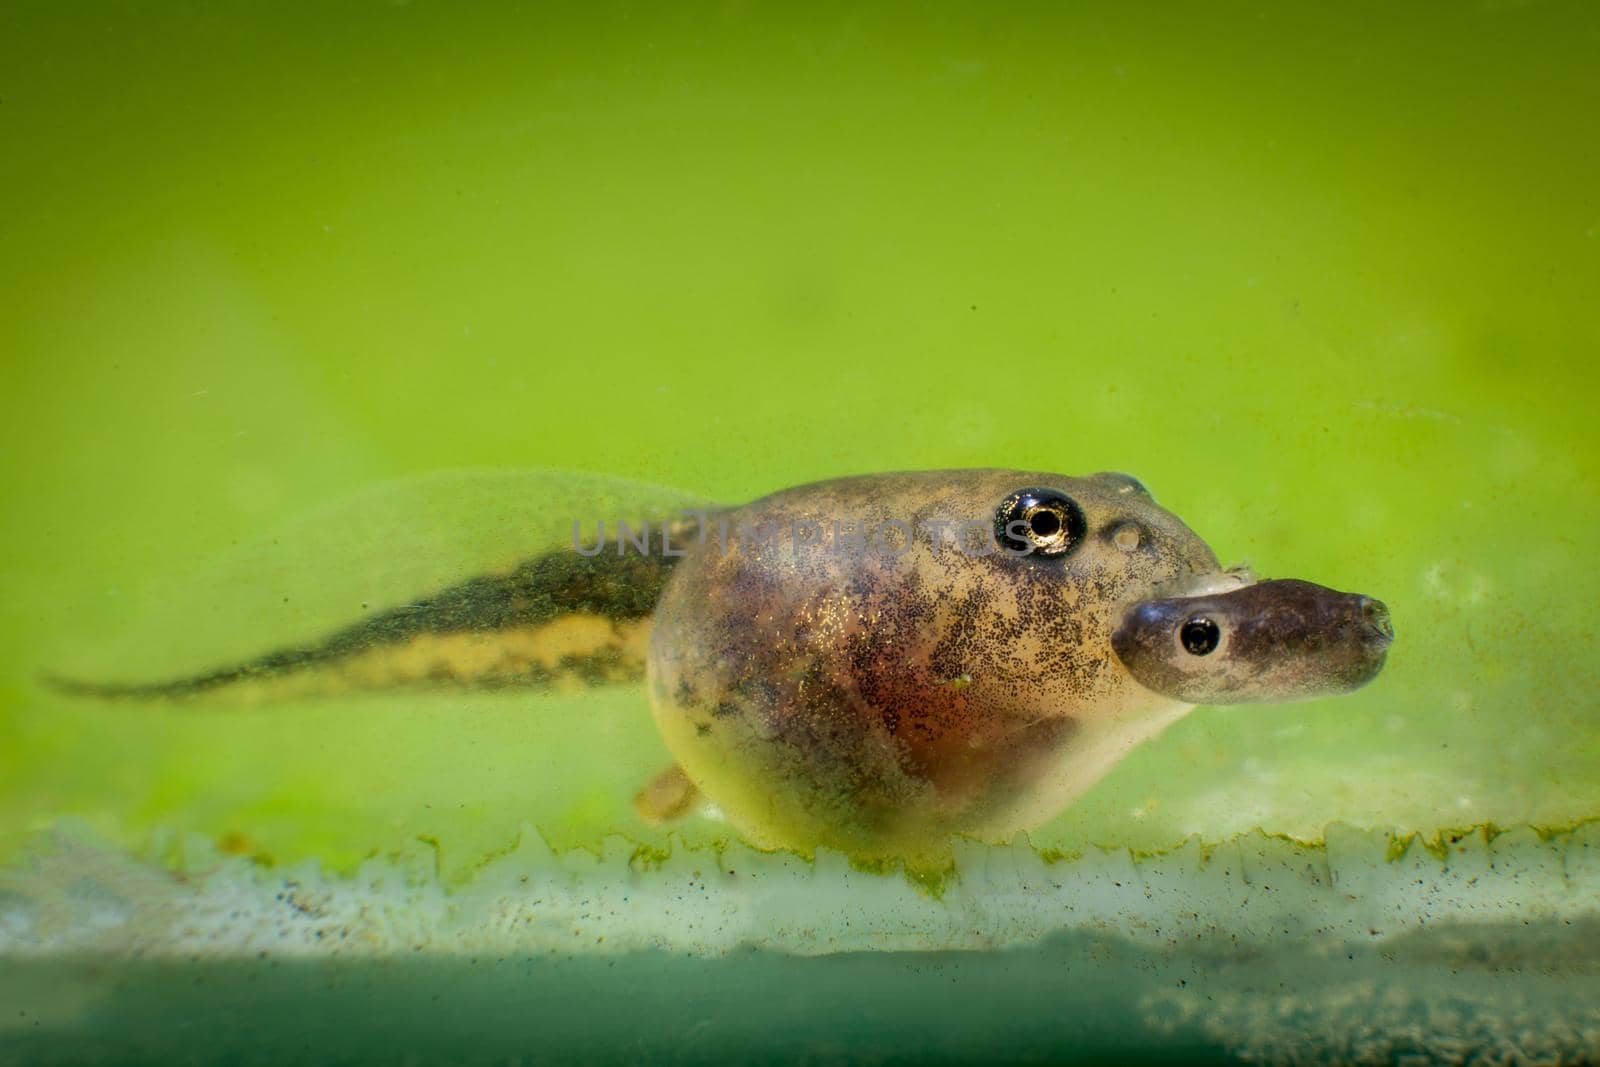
(1323, 280)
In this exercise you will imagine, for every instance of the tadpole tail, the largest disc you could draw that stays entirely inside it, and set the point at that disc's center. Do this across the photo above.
(561, 614)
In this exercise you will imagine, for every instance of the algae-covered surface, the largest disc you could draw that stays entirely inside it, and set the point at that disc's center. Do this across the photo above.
(311, 306)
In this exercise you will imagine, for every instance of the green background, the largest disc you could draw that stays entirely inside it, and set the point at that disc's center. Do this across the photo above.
(1325, 279)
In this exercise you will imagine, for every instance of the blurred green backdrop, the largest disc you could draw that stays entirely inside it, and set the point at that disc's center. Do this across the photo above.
(1325, 278)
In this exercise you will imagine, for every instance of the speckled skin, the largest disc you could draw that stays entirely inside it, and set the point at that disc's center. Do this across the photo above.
(877, 703)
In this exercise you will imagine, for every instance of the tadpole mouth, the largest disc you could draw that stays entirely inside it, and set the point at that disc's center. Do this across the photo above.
(1375, 614)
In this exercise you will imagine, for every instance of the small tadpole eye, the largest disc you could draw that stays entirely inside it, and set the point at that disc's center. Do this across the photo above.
(1039, 522)
(1200, 636)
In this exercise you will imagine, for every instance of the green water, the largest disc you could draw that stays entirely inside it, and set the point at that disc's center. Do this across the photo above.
(1323, 278)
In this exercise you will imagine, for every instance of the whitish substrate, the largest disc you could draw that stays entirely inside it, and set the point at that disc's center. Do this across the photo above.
(1365, 950)
(70, 896)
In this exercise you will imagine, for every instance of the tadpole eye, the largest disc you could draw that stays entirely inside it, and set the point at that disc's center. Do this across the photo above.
(1200, 636)
(1039, 521)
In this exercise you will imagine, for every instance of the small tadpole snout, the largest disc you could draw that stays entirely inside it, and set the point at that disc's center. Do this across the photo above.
(1376, 614)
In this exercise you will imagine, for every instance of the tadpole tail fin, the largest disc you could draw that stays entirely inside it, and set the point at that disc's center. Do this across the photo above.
(274, 664)
(558, 616)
